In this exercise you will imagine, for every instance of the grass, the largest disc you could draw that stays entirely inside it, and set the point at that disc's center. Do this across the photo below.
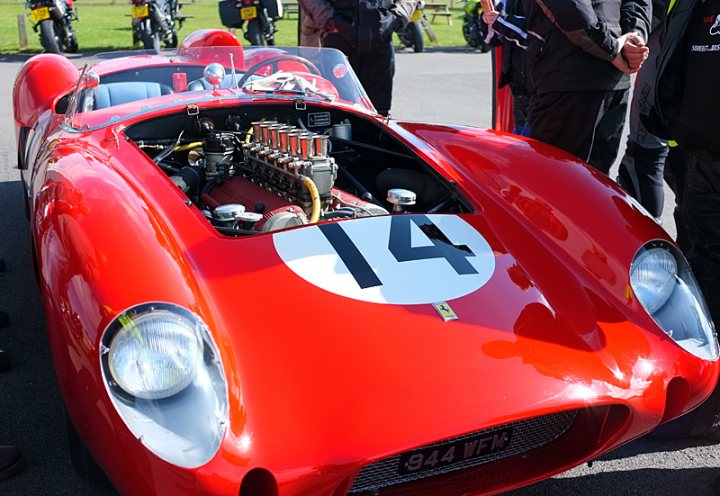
(106, 26)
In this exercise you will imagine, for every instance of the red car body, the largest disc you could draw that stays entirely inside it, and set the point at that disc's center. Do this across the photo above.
(552, 360)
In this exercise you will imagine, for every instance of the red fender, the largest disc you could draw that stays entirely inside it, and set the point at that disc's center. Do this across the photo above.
(40, 83)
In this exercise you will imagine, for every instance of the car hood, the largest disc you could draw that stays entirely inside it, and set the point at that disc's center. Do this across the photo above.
(318, 365)
(547, 321)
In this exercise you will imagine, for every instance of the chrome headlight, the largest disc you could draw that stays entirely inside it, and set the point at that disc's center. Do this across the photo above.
(155, 355)
(164, 376)
(663, 283)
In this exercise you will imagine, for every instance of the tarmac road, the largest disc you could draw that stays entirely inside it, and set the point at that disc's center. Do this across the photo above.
(442, 86)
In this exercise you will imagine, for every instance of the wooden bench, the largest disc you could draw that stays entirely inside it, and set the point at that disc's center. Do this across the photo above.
(434, 9)
(289, 8)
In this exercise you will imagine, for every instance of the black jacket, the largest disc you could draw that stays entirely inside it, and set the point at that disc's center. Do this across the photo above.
(361, 22)
(510, 33)
(670, 77)
(572, 43)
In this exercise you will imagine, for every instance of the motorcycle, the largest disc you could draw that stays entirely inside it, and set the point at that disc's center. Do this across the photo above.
(154, 21)
(258, 17)
(471, 28)
(53, 18)
(411, 35)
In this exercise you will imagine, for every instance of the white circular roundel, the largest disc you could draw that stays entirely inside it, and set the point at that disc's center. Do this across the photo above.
(400, 259)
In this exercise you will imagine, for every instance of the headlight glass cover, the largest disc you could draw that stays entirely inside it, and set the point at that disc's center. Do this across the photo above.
(155, 355)
(163, 374)
(665, 286)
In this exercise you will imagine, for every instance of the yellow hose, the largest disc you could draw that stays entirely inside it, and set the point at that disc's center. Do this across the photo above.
(315, 196)
(188, 146)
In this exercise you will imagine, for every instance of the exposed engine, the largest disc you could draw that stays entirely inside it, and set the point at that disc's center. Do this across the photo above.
(269, 175)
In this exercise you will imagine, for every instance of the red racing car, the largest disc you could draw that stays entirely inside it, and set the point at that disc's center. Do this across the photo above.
(256, 285)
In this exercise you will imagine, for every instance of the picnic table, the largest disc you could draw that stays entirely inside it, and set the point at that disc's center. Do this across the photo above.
(434, 9)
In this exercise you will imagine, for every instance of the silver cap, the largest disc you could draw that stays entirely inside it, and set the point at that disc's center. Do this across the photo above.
(229, 212)
(399, 196)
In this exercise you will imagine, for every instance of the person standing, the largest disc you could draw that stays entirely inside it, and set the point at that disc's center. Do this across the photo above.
(686, 108)
(579, 55)
(362, 30)
(308, 30)
(642, 165)
(505, 27)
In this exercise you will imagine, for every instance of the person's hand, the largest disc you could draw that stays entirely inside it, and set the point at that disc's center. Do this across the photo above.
(634, 51)
(489, 18)
(619, 61)
(330, 26)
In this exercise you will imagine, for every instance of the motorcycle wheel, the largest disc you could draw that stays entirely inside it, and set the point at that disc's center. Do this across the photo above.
(254, 33)
(71, 45)
(48, 39)
(404, 36)
(416, 36)
(173, 41)
(150, 40)
(471, 36)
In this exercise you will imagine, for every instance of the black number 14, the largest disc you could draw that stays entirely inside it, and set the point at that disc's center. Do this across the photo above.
(401, 248)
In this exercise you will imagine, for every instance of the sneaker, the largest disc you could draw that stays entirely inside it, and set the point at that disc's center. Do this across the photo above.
(11, 461)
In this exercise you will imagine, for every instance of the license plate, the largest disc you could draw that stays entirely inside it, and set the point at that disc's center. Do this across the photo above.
(247, 13)
(454, 452)
(140, 11)
(40, 14)
(417, 15)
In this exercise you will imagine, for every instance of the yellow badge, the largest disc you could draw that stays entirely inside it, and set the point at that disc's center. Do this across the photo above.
(445, 311)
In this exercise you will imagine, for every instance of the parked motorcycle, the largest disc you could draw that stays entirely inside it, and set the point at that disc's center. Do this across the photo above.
(471, 28)
(53, 18)
(411, 35)
(154, 21)
(257, 17)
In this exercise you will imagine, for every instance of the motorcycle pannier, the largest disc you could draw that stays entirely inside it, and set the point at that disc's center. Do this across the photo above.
(230, 14)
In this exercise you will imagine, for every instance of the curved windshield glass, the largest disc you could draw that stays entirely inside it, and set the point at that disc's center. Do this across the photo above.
(115, 90)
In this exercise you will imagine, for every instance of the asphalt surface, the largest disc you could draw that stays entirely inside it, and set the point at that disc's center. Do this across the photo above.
(442, 86)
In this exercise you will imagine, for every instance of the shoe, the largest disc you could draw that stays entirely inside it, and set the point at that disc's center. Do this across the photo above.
(5, 362)
(11, 461)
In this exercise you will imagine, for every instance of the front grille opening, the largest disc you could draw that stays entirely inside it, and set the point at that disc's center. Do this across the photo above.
(463, 452)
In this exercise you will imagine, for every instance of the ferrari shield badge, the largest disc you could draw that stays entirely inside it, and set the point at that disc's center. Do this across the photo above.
(408, 259)
(445, 311)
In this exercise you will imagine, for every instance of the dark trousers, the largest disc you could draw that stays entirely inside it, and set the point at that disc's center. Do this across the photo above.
(374, 66)
(674, 175)
(588, 124)
(641, 175)
(697, 180)
(700, 211)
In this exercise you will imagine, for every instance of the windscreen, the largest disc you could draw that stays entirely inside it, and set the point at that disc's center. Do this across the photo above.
(115, 90)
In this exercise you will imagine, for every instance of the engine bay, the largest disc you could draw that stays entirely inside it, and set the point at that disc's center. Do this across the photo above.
(256, 169)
